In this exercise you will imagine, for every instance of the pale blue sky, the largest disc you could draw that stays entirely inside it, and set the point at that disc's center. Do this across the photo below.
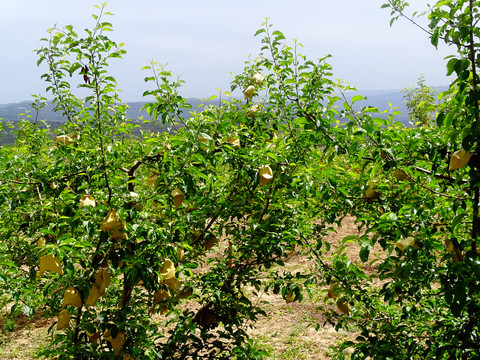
(203, 41)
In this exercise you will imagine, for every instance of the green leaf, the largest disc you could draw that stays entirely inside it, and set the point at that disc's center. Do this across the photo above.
(278, 35)
(349, 238)
(358, 98)
(364, 253)
(456, 220)
(75, 66)
(370, 109)
(259, 32)
(434, 38)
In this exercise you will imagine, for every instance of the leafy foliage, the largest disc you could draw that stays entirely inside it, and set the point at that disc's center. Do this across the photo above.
(421, 102)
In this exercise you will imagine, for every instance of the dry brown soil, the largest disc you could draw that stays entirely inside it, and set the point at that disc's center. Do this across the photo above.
(287, 331)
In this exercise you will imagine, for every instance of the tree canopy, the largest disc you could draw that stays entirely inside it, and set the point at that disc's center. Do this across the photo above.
(108, 231)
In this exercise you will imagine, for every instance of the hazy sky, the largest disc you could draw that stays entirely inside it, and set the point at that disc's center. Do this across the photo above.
(205, 41)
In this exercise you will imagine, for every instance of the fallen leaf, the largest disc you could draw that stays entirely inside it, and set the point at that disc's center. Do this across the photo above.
(210, 242)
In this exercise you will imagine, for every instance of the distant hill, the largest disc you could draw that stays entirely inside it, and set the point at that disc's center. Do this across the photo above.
(382, 99)
(11, 112)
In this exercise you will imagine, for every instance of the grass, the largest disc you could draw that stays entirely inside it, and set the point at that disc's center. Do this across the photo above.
(22, 345)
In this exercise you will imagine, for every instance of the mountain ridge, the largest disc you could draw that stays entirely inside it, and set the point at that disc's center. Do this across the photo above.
(386, 99)
(13, 111)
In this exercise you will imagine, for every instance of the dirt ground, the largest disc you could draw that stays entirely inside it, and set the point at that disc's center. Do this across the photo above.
(287, 332)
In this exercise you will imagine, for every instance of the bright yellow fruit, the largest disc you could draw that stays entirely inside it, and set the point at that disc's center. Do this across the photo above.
(449, 245)
(343, 307)
(160, 296)
(63, 140)
(64, 320)
(459, 159)
(234, 141)
(405, 243)
(168, 274)
(119, 231)
(253, 110)
(102, 280)
(248, 92)
(178, 197)
(167, 270)
(202, 138)
(50, 263)
(87, 200)
(266, 174)
(172, 283)
(290, 297)
(371, 193)
(41, 242)
(116, 342)
(72, 297)
(93, 295)
(258, 78)
(180, 254)
(110, 221)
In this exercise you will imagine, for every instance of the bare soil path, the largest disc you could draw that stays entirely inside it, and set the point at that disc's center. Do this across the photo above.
(287, 332)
